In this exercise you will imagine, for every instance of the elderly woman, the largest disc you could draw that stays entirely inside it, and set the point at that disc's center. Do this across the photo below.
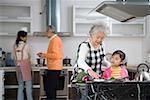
(91, 52)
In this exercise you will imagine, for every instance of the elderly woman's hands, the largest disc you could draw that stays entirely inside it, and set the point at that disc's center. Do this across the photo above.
(93, 74)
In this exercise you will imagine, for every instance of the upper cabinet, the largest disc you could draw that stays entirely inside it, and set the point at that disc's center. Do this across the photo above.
(135, 28)
(14, 17)
(83, 19)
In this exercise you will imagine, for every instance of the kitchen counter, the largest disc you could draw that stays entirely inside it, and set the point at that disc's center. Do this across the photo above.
(11, 82)
(34, 68)
(132, 68)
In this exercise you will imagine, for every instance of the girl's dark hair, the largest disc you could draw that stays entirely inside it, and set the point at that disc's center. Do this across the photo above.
(20, 34)
(120, 53)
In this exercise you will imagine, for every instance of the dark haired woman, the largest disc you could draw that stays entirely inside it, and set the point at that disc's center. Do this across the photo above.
(23, 66)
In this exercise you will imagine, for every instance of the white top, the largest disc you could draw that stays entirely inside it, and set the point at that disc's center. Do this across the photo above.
(26, 50)
(83, 54)
(52, 37)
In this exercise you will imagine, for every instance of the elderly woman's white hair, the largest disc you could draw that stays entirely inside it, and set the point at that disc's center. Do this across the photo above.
(100, 27)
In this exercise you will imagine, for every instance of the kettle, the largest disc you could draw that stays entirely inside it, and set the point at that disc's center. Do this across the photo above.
(143, 72)
(144, 76)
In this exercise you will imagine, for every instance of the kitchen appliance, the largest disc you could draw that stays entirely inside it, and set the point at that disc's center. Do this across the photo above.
(124, 10)
(52, 11)
(66, 61)
(62, 89)
(143, 72)
(3, 59)
(9, 60)
(40, 62)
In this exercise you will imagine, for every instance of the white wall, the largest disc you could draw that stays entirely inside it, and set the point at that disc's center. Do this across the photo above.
(146, 41)
(133, 47)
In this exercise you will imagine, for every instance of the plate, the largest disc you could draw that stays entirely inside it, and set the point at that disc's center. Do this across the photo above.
(98, 80)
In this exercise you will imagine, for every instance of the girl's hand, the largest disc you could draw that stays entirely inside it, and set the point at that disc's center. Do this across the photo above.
(93, 74)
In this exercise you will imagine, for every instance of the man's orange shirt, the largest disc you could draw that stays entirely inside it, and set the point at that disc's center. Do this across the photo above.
(55, 54)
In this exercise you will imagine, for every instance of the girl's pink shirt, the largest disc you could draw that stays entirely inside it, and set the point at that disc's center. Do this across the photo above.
(107, 72)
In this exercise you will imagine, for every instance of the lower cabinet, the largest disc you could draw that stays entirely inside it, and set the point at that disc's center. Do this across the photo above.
(62, 87)
(38, 93)
(132, 75)
(11, 85)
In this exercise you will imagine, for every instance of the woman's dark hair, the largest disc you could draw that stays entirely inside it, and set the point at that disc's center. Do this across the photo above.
(20, 34)
(120, 53)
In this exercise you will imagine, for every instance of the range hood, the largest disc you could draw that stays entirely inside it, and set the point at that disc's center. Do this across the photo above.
(53, 14)
(124, 10)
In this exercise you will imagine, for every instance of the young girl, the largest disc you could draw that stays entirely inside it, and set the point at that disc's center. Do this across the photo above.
(23, 65)
(118, 69)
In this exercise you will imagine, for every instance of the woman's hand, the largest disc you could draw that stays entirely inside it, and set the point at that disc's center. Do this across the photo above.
(93, 74)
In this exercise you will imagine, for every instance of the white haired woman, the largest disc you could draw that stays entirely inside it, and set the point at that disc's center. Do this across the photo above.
(91, 52)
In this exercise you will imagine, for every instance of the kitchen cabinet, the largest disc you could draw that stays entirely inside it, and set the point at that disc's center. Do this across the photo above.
(14, 17)
(1, 84)
(83, 19)
(11, 85)
(134, 28)
(132, 70)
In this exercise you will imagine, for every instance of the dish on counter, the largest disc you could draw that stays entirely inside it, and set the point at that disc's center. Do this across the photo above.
(99, 80)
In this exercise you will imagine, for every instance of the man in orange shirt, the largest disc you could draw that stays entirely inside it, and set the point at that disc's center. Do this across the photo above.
(54, 58)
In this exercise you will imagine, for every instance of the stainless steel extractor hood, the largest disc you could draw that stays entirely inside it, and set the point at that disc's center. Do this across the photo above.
(53, 17)
(53, 13)
(124, 10)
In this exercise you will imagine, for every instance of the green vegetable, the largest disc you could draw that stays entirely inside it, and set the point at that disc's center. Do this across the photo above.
(80, 76)
(112, 78)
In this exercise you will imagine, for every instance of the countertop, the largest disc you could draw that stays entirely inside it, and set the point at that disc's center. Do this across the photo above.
(131, 68)
(34, 68)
